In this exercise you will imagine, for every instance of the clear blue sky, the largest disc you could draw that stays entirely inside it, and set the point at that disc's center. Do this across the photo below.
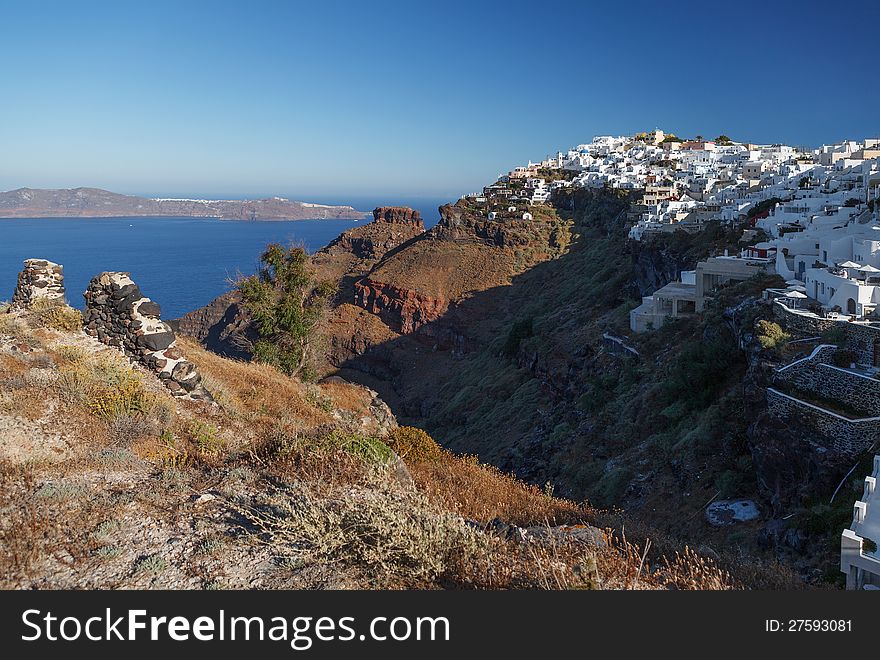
(418, 98)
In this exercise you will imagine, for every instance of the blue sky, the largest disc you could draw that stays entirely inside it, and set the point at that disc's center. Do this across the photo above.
(417, 98)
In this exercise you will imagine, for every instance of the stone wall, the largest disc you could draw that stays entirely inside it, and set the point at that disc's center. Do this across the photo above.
(850, 436)
(861, 338)
(119, 315)
(40, 279)
(816, 374)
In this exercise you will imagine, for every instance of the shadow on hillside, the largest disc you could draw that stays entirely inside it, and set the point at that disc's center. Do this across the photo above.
(519, 345)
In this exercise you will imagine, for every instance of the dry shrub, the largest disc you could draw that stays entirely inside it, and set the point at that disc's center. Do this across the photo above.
(287, 454)
(53, 313)
(509, 564)
(124, 429)
(205, 437)
(126, 399)
(103, 384)
(390, 534)
(482, 492)
(413, 445)
(163, 450)
(26, 403)
(24, 527)
(63, 318)
(11, 326)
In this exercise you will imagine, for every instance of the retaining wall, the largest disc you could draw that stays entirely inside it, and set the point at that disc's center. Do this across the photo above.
(816, 374)
(850, 436)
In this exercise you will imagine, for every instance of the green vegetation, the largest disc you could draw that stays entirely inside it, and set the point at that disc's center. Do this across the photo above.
(843, 359)
(205, 437)
(584, 418)
(413, 444)
(285, 304)
(771, 335)
(368, 449)
(519, 331)
(723, 139)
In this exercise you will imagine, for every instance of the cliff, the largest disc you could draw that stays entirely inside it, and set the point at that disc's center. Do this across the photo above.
(96, 203)
(463, 254)
(223, 325)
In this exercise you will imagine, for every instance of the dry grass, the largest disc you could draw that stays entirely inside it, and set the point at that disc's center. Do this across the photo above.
(104, 384)
(257, 393)
(396, 536)
(482, 493)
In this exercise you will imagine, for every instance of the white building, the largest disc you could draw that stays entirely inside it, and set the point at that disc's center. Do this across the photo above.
(859, 560)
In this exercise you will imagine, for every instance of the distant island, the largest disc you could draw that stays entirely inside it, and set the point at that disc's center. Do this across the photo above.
(97, 203)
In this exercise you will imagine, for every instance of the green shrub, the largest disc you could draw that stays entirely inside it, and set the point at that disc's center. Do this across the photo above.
(518, 332)
(413, 444)
(285, 304)
(205, 438)
(151, 564)
(868, 545)
(368, 449)
(771, 335)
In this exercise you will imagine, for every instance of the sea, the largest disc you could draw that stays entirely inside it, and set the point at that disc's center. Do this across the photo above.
(180, 263)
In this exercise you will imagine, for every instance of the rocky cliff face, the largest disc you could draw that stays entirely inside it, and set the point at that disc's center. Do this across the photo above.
(222, 326)
(391, 227)
(463, 254)
(403, 309)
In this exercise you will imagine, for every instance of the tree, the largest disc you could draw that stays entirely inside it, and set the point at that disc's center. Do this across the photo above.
(285, 305)
(723, 139)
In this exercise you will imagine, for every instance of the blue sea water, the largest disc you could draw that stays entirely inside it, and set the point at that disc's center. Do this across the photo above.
(181, 263)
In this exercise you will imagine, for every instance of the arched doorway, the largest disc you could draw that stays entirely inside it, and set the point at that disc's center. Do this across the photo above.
(851, 306)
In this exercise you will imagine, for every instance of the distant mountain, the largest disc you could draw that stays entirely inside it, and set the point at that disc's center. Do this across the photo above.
(97, 203)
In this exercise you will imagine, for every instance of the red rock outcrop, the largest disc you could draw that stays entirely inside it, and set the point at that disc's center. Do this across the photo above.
(404, 309)
(392, 226)
(398, 214)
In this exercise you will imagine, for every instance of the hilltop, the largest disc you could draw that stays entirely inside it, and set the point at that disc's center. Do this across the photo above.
(97, 203)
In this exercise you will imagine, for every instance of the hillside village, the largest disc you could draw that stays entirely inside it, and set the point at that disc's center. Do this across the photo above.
(810, 217)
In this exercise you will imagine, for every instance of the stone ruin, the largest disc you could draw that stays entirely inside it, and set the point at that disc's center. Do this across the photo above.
(40, 280)
(119, 315)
